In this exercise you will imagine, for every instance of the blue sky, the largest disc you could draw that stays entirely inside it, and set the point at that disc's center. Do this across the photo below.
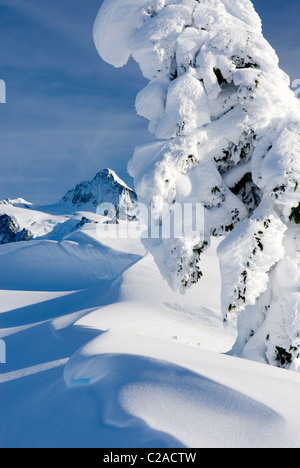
(69, 114)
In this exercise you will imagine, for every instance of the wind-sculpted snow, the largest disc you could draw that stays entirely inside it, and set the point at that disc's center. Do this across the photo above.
(202, 399)
(228, 128)
(124, 361)
(65, 266)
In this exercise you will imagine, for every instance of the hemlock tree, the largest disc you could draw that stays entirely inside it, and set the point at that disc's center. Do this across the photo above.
(228, 130)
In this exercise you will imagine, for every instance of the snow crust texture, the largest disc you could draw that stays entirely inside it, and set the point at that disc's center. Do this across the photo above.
(228, 130)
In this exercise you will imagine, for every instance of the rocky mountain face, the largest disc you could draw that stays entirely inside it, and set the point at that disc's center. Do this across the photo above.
(105, 195)
(105, 188)
(10, 231)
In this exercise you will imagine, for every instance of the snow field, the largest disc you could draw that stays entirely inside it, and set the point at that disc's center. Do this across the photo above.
(129, 363)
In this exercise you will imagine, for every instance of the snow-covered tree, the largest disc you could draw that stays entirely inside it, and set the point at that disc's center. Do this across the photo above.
(228, 130)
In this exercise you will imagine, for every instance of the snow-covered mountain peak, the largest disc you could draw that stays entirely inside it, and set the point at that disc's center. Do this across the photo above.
(105, 187)
(109, 174)
(21, 220)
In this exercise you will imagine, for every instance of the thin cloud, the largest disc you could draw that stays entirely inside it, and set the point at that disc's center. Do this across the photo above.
(65, 18)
